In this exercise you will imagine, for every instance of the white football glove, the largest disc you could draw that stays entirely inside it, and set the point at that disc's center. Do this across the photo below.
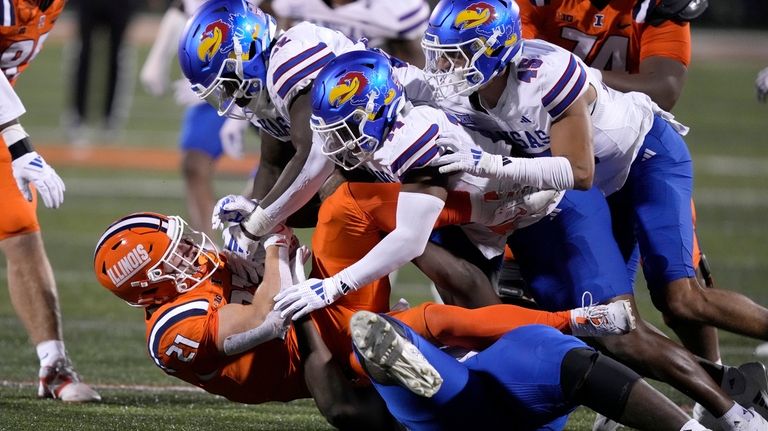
(313, 294)
(32, 168)
(475, 162)
(183, 94)
(231, 209)
(232, 133)
(236, 241)
(762, 85)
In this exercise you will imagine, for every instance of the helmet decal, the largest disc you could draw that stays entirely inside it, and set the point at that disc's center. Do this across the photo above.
(216, 38)
(224, 51)
(128, 265)
(355, 98)
(350, 85)
(390, 96)
(474, 15)
(210, 39)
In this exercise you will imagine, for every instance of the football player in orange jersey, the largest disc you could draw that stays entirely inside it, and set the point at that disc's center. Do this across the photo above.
(208, 323)
(24, 25)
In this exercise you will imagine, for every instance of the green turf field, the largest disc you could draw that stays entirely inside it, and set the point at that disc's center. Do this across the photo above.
(106, 338)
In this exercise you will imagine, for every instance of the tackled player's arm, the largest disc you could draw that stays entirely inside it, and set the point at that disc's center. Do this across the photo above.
(571, 136)
(244, 326)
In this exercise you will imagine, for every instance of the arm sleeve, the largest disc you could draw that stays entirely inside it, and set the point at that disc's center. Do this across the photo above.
(11, 107)
(416, 215)
(670, 39)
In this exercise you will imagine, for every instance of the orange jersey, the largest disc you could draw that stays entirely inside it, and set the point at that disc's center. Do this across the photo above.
(608, 38)
(23, 29)
(181, 339)
(351, 221)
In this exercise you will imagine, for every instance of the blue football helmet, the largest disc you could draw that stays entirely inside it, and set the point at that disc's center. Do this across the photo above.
(224, 51)
(355, 99)
(468, 42)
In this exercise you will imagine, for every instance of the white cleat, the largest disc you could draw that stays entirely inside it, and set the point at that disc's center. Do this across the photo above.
(615, 318)
(387, 354)
(61, 382)
(756, 391)
(747, 386)
(756, 423)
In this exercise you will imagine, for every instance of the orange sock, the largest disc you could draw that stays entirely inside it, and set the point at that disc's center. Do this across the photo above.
(476, 328)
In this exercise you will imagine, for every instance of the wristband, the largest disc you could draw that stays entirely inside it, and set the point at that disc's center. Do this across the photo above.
(19, 148)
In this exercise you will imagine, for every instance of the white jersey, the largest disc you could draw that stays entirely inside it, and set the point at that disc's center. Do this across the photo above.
(412, 145)
(295, 60)
(375, 20)
(546, 82)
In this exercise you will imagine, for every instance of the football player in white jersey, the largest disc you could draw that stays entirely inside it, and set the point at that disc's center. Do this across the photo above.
(231, 54)
(546, 102)
(225, 52)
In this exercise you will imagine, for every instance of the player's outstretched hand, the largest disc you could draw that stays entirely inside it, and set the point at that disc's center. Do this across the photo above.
(231, 209)
(474, 161)
(762, 85)
(32, 168)
(231, 134)
(301, 299)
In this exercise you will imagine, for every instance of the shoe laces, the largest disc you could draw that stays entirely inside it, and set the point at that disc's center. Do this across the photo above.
(60, 372)
(593, 313)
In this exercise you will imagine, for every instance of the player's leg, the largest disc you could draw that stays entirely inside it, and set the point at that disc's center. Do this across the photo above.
(118, 67)
(32, 289)
(549, 374)
(344, 406)
(460, 279)
(701, 339)
(424, 388)
(576, 252)
(480, 327)
(201, 147)
(86, 19)
(662, 187)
